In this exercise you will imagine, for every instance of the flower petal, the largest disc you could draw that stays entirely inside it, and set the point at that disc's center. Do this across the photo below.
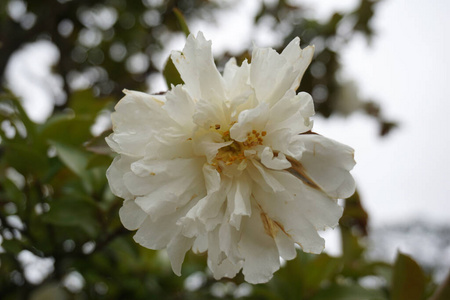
(115, 173)
(131, 215)
(156, 235)
(258, 249)
(251, 119)
(176, 250)
(180, 107)
(328, 163)
(284, 71)
(263, 177)
(239, 199)
(278, 162)
(292, 113)
(197, 69)
(137, 119)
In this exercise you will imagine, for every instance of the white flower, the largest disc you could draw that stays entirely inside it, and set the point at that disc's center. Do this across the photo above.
(226, 164)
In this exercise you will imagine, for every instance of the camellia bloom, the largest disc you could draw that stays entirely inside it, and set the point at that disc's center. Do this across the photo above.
(226, 163)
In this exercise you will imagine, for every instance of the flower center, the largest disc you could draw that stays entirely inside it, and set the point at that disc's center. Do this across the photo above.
(235, 153)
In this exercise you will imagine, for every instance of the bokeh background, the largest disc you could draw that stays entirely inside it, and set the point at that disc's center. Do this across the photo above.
(378, 79)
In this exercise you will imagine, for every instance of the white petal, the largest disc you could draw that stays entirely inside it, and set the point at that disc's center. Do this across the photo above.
(292, 113)
(159, 150)
(138, 118)
(301, 216)
(200, 244)
(115, 173)
(176, 251)
(239, 199)
(131, 215)
(180, 107)
(328, 163)
(262, 176)
(248, 120)
(238, 87)
(228, 241)
(261, 258)
(156, 235)
(285, 245)
(209, 113)
(208, 144)
(278, 162)
(299, 58)
(197, 69)
(175, 176)
(207, 213)
(212, 179)
(218, 262)
(283, 72)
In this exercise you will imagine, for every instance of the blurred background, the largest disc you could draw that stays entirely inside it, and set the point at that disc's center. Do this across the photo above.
(378, 80)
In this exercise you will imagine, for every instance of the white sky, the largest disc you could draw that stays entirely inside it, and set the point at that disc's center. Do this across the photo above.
(406, 69)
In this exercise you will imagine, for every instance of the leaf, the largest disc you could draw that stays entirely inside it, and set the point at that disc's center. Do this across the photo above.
(321, 268)
(171, 74)
(13, 101)
(68, 129)
(443, 291)
(24, 158)
(408, 281)
(12, 246)
(98, 144)
(72, 157)
(350, 292)
(84, 102)
(181, 21)
(73, 212)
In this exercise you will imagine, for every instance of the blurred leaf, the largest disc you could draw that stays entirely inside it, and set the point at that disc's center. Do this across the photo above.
(84, 102)
(443, 291)
(72, 157)
(98, 144)
(350, 292)
(355, 216)
(321, 268)
(25, 159)
(73, 212)
(68, 129)
(12, 246)
(11, 192)
(181, 21)
(408, 282)
(171, 74)
(14, 102)
(97, 160)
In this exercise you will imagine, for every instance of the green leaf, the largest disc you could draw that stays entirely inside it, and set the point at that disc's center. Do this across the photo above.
(97, 160)
(73, 212)
(443, 291)
(14, 102)
(84, 103)
(321, 268)
(182, 21)
(72, 157)
(350, 292)
(408, 281)
(68, 129)
(171, 74)
(98, 144)
(12, 246)
(25, 158)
